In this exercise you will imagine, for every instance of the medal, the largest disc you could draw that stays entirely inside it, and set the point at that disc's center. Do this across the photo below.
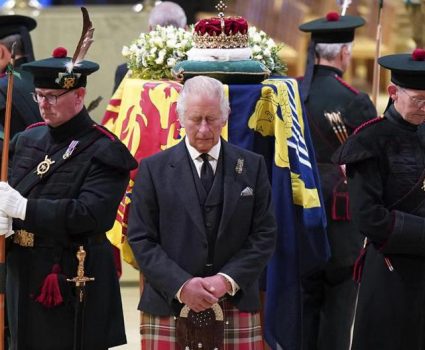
(44, 166)
(70, 149)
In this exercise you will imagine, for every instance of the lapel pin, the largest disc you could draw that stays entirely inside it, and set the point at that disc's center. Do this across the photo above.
(239, 166)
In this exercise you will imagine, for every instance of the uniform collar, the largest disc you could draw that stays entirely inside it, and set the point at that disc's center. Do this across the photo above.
(73, 127)
(320, 69)
(393, 116)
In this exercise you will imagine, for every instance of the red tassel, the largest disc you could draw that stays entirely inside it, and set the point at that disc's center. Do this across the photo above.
(50, 295)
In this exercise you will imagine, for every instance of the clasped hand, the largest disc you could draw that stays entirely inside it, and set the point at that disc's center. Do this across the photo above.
(11, 202)
(200, 293)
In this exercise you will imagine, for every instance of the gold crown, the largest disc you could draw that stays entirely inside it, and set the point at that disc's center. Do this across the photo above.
(221, 41)
(221, 33)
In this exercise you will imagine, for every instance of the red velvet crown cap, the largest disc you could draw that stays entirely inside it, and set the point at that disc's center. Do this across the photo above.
(211, 26)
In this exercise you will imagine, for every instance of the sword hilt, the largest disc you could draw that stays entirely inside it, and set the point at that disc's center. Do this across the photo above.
(80, 280)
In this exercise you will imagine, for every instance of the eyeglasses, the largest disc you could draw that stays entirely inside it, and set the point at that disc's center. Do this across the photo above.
(418, 102)
(51, 99)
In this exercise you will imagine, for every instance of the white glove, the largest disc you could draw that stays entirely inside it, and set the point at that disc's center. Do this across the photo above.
(11, 202)
(5, 225)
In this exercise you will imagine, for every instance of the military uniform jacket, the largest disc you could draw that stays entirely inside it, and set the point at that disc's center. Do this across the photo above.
(24, 109)
(329, 93)
(385, 164)
(76, 204)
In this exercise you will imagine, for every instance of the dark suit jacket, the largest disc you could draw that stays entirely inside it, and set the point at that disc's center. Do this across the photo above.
(168, 236)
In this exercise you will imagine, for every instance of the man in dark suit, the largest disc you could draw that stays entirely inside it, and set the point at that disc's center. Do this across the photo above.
(329, 291)
(201, 225)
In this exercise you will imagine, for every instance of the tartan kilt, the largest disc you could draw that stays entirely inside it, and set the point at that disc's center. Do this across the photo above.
(242, 330)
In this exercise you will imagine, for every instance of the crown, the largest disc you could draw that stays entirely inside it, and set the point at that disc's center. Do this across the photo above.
(221, 32)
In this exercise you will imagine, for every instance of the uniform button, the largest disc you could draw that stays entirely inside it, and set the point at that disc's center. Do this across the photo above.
(207, 209)
(208, 224)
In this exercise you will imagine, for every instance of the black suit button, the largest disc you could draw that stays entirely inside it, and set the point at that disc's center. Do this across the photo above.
(208, 224)
(207, 209)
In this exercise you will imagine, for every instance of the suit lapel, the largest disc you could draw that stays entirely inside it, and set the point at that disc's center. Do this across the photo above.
(184, 185)
(232, 185)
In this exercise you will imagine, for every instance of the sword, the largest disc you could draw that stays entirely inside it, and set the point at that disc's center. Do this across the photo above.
(80, 283)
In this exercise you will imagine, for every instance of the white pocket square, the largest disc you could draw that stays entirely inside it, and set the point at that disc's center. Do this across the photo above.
(247, 191)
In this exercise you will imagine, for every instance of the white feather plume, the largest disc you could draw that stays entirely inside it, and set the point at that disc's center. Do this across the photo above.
(84, 43)
(343, 4)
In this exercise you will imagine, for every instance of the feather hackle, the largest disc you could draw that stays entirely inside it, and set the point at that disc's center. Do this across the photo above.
(84, 43)
(343, 4)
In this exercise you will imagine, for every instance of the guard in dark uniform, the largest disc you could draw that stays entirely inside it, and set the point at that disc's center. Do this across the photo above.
(385, 162)
(334, 110)
(66, 180)
(16, 28)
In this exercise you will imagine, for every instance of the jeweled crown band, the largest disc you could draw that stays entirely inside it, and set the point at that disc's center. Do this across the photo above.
(221, 41)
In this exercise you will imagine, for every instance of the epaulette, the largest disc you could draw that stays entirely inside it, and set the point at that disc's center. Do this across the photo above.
(348, 86)
(368, 123)
(104, 131)
(35, 125)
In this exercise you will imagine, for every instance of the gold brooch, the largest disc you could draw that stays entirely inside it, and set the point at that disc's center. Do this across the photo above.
(44, 166)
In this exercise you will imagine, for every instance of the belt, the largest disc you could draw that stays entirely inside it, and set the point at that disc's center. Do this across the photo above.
(28, 239)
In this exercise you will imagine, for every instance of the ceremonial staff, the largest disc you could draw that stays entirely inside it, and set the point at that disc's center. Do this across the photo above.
(376, 70)
(3, 177)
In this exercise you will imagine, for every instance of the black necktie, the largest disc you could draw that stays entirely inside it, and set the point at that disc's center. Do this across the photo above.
(207, 174)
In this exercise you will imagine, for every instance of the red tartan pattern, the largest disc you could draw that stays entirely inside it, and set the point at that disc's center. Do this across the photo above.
(242, 331)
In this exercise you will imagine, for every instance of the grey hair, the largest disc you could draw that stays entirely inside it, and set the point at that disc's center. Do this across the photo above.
(330, 51)
(167, 13)
(14, 38)
(205, 87)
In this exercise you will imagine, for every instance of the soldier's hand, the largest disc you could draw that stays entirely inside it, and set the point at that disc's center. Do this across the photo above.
(11, 201)
(220, 286)
(198, 294)
(5, 225)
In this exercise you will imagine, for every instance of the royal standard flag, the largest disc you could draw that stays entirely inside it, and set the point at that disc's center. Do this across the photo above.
(269, 119)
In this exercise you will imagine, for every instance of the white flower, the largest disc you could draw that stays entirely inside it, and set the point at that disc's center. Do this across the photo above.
(152, 55)
(159, 60)
(125, 51)
(171, 62)
(267, 52)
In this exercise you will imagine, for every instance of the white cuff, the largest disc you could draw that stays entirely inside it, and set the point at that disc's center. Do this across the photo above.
(180, 291)
(22, 208)
(235, 287)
